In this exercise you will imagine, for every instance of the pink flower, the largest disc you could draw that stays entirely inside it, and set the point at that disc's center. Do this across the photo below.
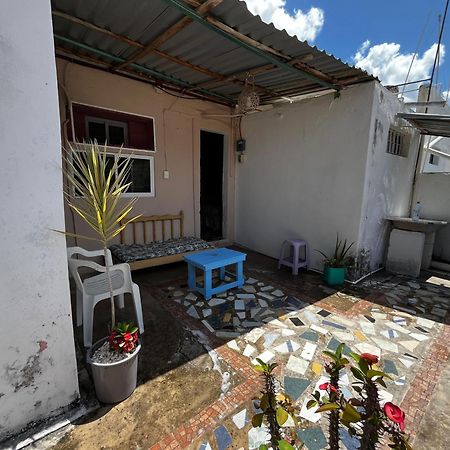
(394, 413)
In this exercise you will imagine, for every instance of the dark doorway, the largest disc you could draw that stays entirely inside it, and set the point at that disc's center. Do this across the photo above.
(211, 186)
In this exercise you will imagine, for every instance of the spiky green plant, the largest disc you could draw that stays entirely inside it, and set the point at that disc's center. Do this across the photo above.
(339, 258)
(276, 408)
(94, 192)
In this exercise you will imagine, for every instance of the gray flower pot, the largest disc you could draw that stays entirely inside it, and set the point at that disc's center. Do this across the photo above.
(114, 382)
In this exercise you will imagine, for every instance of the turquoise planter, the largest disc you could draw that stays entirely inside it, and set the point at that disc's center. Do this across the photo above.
(334, 276)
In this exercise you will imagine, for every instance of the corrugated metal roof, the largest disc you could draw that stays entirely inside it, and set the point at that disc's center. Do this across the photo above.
(112, 31)
(429, 124)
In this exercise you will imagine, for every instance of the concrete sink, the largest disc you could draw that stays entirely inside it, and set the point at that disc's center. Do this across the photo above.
(420, 225)
(426, 226)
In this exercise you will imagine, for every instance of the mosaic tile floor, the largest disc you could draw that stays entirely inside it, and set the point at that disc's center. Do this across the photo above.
(262, 321)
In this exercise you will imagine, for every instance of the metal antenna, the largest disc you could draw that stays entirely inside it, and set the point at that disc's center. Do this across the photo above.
(419, 43)
(437, 53)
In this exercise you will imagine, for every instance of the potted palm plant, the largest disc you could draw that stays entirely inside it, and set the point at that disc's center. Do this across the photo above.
(335, 264)
(96, 184)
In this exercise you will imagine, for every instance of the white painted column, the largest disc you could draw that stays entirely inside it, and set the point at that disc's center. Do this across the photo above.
(38, 376)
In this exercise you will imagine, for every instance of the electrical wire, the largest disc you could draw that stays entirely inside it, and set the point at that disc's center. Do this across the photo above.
(177, 95)
(419, 42)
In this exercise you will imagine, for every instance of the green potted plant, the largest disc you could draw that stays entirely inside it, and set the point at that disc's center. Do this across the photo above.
(95, 188)
(335, 265)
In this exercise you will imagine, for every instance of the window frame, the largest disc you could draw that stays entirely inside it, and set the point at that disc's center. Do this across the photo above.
(107, 123)
(433, 159)
(113, 147)
(117, 152)
(398, 141)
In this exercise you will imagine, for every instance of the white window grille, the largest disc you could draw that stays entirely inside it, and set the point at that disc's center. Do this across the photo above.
(396, 143)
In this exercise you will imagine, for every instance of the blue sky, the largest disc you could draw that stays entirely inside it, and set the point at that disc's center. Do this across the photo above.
(389, 29)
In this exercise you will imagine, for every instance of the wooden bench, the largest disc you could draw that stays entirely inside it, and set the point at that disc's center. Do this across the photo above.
(147, 229)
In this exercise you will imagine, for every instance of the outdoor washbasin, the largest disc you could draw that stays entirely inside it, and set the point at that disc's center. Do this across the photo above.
(420, 225)
(408, 255)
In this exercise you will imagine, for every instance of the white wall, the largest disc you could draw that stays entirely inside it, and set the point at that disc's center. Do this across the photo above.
(304, 173)
(37, 362)
(433, 192)
(388, 182)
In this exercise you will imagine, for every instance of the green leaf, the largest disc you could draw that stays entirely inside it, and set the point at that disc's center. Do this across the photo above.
(376, 373)
(355, 356)
(380, 381)
(357, 373)
(339, 350)
(282, 416)
(343, 361)
(363, 365)
(328, 407)
(257, 420)
(311, 404)
(264, 404)
(355, 401)
(331, 355)
(284, 445)
(259, 368)
(350, 414)
(263, 447)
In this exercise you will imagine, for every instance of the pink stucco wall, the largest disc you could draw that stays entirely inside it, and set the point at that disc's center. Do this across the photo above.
(177, 125)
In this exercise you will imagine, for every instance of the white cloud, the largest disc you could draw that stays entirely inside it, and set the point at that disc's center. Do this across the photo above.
(390, 65)
(305, 25)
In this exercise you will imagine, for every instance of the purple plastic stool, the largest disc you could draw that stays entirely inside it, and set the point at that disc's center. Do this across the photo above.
(293, 260)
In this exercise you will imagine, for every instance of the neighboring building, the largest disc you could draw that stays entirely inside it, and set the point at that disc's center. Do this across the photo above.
(434, 162)
(432, 186)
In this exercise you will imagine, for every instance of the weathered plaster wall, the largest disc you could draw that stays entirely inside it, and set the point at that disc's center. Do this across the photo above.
(37, 360)
(433, 192)
(388, 182)
(304, 173)
(177, 123)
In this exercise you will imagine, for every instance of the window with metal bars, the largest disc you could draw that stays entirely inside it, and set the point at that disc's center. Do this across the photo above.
(396, 143)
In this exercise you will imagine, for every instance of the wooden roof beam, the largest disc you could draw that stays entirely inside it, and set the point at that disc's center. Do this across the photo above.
(216, 77)
(102, 65)
(169, 33)
(294, 62)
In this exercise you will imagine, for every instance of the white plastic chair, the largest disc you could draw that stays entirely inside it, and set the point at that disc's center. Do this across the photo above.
(95, 288)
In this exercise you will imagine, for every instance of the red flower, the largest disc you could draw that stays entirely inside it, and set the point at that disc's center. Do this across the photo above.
(395, 414)
(369, 358)
(122, 340)
(128, 337)
(326, 386)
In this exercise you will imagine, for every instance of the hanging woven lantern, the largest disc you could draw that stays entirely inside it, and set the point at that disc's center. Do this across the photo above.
(248, 99)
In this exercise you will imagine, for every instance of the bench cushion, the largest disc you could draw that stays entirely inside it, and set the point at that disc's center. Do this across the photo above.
(137, 252)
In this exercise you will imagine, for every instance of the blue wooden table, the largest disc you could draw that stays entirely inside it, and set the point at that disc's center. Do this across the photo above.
(209, 260)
